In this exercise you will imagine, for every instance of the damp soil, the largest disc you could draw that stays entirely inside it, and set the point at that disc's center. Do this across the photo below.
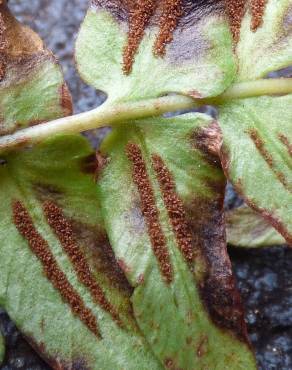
(264, 277)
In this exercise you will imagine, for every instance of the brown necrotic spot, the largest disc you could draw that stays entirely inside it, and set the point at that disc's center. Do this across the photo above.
(208, 140)
(100, 255)
(171, 12)
(235, 10)
(217, 284)
(140, 15)
(202, 347)
(174, 208)
(40, 248)
(150, 211)
(66, 101)
(213, 267)
(260, 145)
(257, 8)
(94, 164)
(64, 231)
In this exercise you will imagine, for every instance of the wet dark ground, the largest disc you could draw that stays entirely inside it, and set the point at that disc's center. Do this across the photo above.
(264, 277)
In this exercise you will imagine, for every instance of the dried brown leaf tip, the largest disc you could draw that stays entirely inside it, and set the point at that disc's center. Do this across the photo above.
(236, 10)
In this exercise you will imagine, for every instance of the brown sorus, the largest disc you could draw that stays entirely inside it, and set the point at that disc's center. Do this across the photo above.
(171, 11)
(140, 14)
(260, 145)
(64, 231)
(235, 10)
(286, 142)
(175, 208)
(150, 211)
(40, 248)
(257, 8)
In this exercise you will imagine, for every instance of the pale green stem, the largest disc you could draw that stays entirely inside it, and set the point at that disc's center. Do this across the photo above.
(102, 116)
(112, 114)
(273, 86)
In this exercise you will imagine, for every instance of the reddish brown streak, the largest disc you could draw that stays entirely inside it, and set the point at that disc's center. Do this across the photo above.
(236, 10)
(40, 248)
(171, 11)
(175, 208)
(150, 211)
(140, 14)
(260, 145)
(257, 8)
(286, 142)
(63, 230)
(254, 135)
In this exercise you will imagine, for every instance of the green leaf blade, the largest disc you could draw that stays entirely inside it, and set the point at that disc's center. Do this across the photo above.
(246, 228)
(32, 88)
(270, 47)
(202, 333)
(204, 46)
(256, 156)
(29, 295)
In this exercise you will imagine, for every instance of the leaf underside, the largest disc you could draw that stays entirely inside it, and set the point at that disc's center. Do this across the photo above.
(257, 157)
(32, 89)
(132, 272)
(58, 274)
(166, 226)
(270, 47)
(257, 149)
(246, 228)
(200, 47)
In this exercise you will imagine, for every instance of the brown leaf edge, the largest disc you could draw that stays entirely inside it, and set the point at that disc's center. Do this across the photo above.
(271, 219)
(21, 53)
